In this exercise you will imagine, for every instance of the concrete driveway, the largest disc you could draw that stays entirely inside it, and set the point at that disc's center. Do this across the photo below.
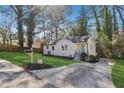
(80, 75)
(13, 76)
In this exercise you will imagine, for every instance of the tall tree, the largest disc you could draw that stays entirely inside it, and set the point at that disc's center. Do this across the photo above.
(107, 22)
(82, 22)
(30, 25)
(115, 18)
(96, 18)
(18, 9)
(57, 14)
(120, 11)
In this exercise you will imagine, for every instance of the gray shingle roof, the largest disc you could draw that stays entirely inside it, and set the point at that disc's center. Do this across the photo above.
(74, 39)
(53, 42)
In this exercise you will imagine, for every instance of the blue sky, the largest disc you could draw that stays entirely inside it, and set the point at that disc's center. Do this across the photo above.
(75, 12)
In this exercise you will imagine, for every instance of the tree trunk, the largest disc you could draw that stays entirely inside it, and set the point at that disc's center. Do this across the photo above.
(19, 12)
(115, 19)
(56, 31)
(10, 37)
(31, 26)
(20, 25)
(4, 40)
(20, 33)
(96, 17)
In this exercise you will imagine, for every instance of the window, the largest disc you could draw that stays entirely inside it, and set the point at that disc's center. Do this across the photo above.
(47, 47)
(52, 47)
(66, 47)
(62, 47)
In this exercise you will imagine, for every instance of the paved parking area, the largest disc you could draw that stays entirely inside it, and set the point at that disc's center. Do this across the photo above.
(81, 75)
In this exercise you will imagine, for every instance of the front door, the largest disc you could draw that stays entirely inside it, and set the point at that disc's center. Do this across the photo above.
(82, 48)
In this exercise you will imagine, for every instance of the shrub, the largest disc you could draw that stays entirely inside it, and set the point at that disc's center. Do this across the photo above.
(92, 59)
(83, 56)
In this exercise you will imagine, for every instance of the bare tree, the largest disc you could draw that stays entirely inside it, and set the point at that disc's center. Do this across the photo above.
(57, 14)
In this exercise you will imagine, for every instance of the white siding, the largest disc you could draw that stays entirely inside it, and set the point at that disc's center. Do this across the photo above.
(45, 50)
(58, 48)
(70, 48)
(91, 46)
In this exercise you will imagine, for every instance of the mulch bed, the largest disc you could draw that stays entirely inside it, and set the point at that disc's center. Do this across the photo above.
(36, 66)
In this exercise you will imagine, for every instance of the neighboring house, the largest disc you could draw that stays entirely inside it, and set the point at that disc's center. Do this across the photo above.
(70, 46)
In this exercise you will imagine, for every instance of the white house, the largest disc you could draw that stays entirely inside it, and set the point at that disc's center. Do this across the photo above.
(70, 46)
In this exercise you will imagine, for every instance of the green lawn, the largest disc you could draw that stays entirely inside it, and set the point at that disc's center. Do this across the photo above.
(22, 58)
(118, 73)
